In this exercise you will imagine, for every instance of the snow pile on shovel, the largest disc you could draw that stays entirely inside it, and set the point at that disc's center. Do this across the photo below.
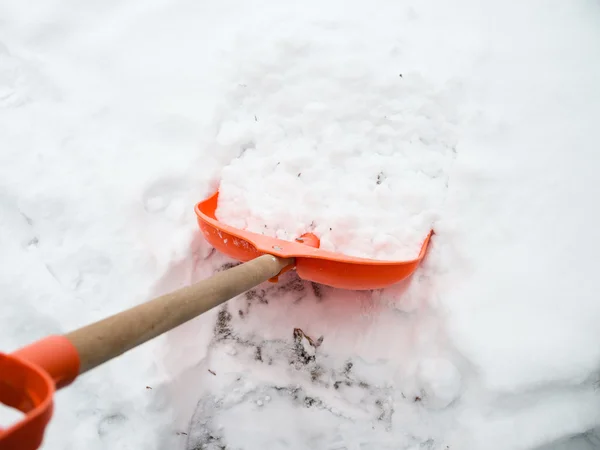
(335, 140)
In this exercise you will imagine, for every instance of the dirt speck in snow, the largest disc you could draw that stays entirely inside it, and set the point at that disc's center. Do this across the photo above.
(223, 328)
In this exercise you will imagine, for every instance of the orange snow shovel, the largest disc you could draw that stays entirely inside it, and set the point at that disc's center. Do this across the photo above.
(30, 375)
(312, 263)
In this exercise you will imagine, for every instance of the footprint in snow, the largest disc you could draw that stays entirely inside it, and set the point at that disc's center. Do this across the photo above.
(166, 197)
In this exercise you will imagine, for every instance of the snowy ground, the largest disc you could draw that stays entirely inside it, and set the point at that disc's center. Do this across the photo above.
(111, 128)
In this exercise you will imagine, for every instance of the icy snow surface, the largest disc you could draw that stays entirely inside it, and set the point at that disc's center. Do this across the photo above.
(115, 118)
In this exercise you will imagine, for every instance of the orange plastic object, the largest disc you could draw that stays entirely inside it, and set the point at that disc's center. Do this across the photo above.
(312, 263)
(28, 379)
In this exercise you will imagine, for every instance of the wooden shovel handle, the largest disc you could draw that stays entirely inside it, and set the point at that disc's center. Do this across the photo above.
(102, 341)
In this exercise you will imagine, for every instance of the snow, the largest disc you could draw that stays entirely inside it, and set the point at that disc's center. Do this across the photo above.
(335, 138)
(9, 416)
(440, 381)
(116, 118)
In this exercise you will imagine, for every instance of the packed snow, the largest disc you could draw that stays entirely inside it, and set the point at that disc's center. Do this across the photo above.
(116, 118)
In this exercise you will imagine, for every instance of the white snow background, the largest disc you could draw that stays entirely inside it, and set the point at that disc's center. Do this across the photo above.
(111, 115)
